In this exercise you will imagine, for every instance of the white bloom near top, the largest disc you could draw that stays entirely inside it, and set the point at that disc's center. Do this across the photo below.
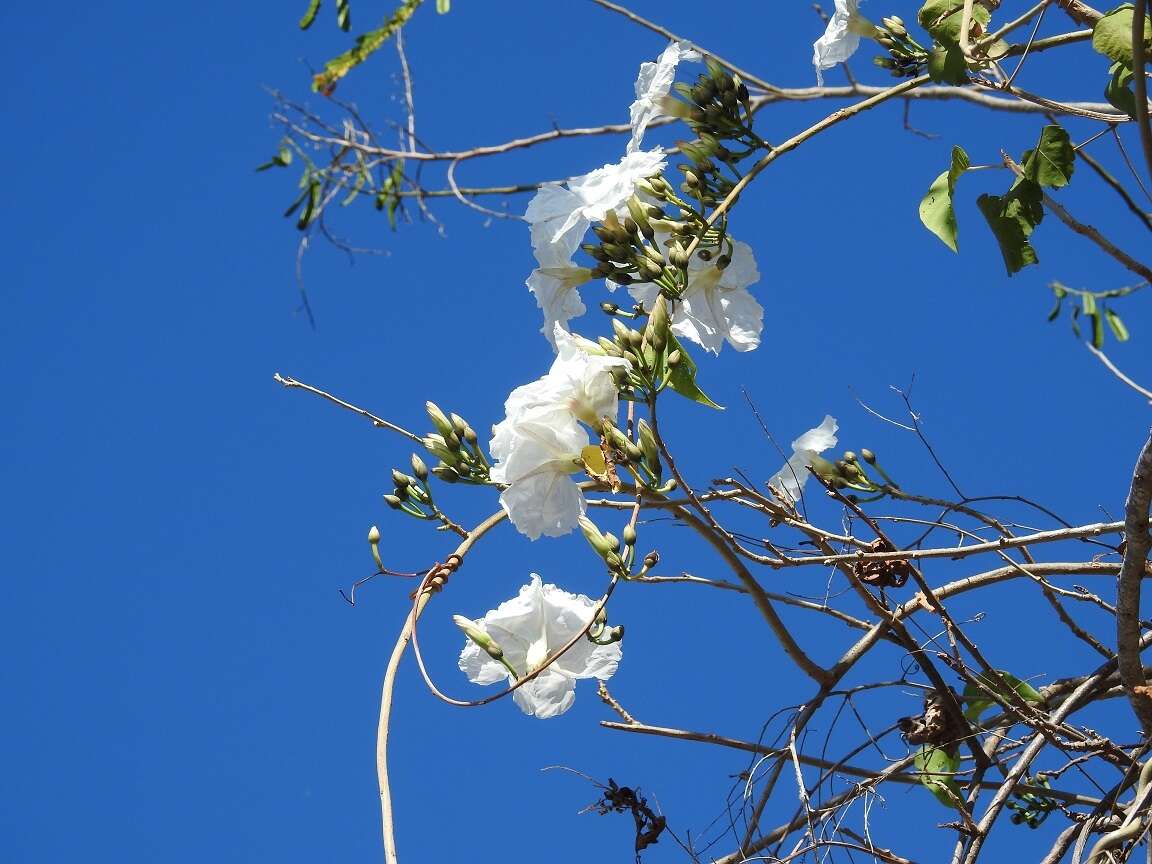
(559, 215)
(791, 478)
(529, 628)
(652, 84)
(841, 38)
(537, 445)
(717, 305)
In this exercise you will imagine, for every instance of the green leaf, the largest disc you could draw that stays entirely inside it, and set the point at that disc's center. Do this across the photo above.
(310, 211)
(942, 19)
(443, 7)
(1119, 90)
(1052, 161)
(1112, 35)
(937, 770)
(1116, 325)
(936, 210)
(1013, 218)
(1097, 330)
(1002, 684)
(947, 65)
(310, 14)
(357, 185)
(682, 377)
(282, 159)
(366, 45)
(343, 15)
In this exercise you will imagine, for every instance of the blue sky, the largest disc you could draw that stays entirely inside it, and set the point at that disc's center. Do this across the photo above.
(183, 681)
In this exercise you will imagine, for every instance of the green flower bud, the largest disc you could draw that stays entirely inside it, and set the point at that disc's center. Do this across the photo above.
(402, 493)
(446, 473)
(438, 447)
(470, 435)
(400, 479)
(439, 420)
(613, 541)
(609, 308)
(608, 346)
(453, 441)
(868, 456)
(629, 535)
(849, 456)
(674, 359)
(373, 535)
(480, 636)
(620, 331)
(594, 537)
(392, 501)
(419, 468)
(648, 445)
(602, 269)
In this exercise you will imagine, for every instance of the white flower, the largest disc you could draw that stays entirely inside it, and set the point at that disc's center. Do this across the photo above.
(652, 85)
(716, 305)
(537, 445)
(806, 451)
(537, 451)
(842, 37)
(529, 628)
(555, 290)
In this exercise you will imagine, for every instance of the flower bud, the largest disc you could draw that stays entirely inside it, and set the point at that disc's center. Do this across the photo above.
(723, 261)
(400, 479)
(438, 447)
(439, 420)
(613, 541)
(446, 473)
(868, 456)
(609, 308)
(849, 456)
(609, 347)
(480, 636)
(629, 535)
(596, 539)
(674, 359)
(453, 441)
(419, 468)
(392, 501)
(373, 535)
(648, 445)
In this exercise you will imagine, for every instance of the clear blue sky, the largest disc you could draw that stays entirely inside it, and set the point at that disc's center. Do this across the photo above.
(182, 681)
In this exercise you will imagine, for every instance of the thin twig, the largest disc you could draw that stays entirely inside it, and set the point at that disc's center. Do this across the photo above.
(1103, 358)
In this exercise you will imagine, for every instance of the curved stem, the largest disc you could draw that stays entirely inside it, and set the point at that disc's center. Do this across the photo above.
(425, 591)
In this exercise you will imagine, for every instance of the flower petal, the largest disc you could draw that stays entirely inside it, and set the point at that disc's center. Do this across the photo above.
(547, 695)
(547, 503)
(652, 85)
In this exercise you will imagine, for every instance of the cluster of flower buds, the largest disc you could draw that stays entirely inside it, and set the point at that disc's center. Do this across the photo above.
(456, 445)
(718, 105)
(652, 351)
(851, 471)
(641, 457)
(628, 251)
(906, 57)
(619, 556)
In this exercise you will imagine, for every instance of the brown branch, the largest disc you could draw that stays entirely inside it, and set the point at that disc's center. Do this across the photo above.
(1140, 82)
(1132, 573)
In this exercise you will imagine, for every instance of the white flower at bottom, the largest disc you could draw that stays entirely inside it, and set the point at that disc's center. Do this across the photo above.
(716, 305)
(841, 38)
(806, 451)
(529, 628)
